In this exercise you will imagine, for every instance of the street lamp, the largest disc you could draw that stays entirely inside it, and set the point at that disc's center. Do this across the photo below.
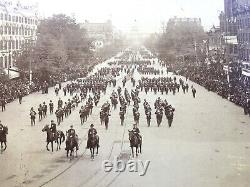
(31, 41)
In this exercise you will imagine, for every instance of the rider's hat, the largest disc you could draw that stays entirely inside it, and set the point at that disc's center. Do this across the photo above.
(91, 125)
(52, 121)
(71, 126)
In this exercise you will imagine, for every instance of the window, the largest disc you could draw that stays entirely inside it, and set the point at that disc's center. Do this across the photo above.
(13, 44)
(13, 30)
(9, 29)
(1, 16)
(25, 20)
(1, 30)
(13, 18)
(6, 61)
(5, 30)
(6, 17)
(9, 17)
(4, 45)
(1, 45)
(1, 62)
(9, 42)
(17, 46)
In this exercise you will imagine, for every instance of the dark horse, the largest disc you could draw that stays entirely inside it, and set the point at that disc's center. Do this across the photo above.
(3, 139)
(93, 143)
(59, 138)
(136, 142)
(71, 145)
(159, 115)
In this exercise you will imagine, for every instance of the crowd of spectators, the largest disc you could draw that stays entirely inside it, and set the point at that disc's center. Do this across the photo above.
(11, 89)
(214, 78)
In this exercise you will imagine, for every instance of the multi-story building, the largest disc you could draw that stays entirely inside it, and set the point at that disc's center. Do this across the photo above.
(243, 22)
(177, 21)
(215, 39)
(18, 25)
(228, 25)
(101, 33)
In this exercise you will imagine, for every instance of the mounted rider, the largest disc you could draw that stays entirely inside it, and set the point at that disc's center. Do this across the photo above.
(53, 128)
(71, 133)
(136, 132)
(92, 131)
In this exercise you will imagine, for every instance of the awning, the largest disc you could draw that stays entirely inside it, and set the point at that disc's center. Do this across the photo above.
(231, 40)
(246, 72)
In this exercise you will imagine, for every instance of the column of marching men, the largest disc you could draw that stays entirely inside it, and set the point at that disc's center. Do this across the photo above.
(87, 92)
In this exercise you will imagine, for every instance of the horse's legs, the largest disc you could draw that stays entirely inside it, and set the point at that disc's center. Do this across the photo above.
(67, 153)
(97, 149)
(136, 149)
(57, 144)
(5, 146)
(60, 143)
(52, 145)
(132, 151)
(92, 150)
(47, 146)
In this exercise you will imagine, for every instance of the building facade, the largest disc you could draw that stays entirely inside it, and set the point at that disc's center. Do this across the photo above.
(101, 33)
(176, 21)
(243, 35)
(18, 25)
(214, 39)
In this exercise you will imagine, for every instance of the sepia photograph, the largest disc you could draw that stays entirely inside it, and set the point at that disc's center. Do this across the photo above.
(132, 93)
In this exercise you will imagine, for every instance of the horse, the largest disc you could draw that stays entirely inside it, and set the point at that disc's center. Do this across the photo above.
(71, 145)
(170, 116)
(159, 115)
(148, 115)
(59, 138)
(136, 142)
(3, 139)
(93, 143)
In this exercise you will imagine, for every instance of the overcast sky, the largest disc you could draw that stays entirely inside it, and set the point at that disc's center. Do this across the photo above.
(149, 14)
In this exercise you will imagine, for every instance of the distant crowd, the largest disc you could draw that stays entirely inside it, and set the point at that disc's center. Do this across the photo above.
(17, 88)
(214, 78)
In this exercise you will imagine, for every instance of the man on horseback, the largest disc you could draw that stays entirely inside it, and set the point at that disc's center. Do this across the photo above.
(92, 131)
(53, 128)
(71, 134)
(136, 132)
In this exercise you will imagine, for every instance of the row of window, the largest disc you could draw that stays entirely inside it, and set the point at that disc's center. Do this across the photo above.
(4, 61)
(8, 30)
(244, 54)
(11, 44)
(244, 37)
(18, 19)
(244, 23)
